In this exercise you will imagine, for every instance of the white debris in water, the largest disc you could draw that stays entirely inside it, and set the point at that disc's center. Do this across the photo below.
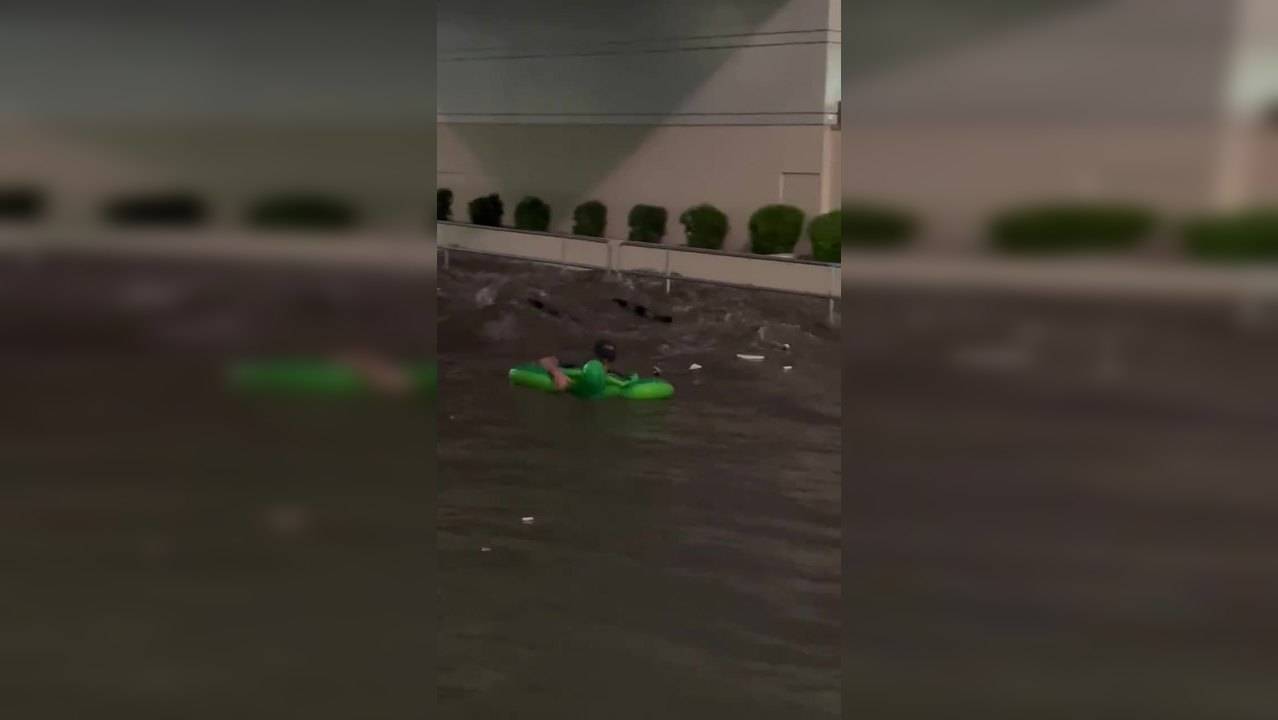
(787, 367)
(486, 296)
(503, 329)
(485, 549)
(763, 338)
(694, 366)
(750, 358)
(528, 519)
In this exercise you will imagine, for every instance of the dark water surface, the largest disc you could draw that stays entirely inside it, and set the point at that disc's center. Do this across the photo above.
(682, 560)
(175, 551)
(1060, 508)
(170, 550)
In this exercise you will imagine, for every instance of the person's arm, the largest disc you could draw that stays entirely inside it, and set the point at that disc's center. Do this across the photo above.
(551, 365)
(380, 373)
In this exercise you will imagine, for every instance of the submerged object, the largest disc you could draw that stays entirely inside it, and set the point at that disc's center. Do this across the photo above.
(532, 375)
(315, 376)
(750, 358)
(642, 311)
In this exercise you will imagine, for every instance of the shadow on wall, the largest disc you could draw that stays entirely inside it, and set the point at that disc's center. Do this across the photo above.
(519, 165)
(559, 166)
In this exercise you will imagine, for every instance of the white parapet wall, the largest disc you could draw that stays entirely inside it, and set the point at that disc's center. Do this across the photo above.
(545, 247)
(672, 261)
(783, 274)
(1091, 278)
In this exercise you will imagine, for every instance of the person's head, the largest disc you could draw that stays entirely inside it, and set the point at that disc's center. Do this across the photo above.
(605, 351)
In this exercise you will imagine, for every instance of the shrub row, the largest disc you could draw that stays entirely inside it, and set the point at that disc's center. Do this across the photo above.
(1052, 228)
(1242, 236)
(773, 229)
(21, 204)
(1071, 228)
(1042, 229)
(178, 208)
(1249, 235)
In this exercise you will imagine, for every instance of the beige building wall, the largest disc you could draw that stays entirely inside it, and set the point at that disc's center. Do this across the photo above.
(738, 169)
(163, 99)
(957, 177)
(958, 112)
(667, 103)
(83, 164)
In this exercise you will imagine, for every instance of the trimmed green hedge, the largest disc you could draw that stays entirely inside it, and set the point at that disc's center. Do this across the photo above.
(303, 211)
(826, 235)
(444, 204)
(775, 229)
(1250, 235)
(877, 227)
(647, 223)
(705, 226)
(21, 204)
(486, 210)
(532, 214)
(1071, 227)
(169, 209)
(590, 219)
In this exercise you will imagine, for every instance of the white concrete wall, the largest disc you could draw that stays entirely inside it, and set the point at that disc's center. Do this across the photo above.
(1253, 82)
(669, 103)
(1245, 172)
(806, 278)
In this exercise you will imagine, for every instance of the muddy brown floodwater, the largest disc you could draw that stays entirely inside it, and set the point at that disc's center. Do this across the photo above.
(1060, 508)
(171, 550)
(682, 560)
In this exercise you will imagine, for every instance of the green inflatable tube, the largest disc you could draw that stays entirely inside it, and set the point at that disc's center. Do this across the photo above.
(316, 377)
(531, 375)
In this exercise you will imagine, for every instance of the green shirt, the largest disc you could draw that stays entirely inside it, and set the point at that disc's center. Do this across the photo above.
(592, 381)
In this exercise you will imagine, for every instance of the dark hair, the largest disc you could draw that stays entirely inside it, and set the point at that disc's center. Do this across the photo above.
(605, 350)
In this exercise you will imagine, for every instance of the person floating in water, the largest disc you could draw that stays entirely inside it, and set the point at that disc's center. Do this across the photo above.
(594, 372)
